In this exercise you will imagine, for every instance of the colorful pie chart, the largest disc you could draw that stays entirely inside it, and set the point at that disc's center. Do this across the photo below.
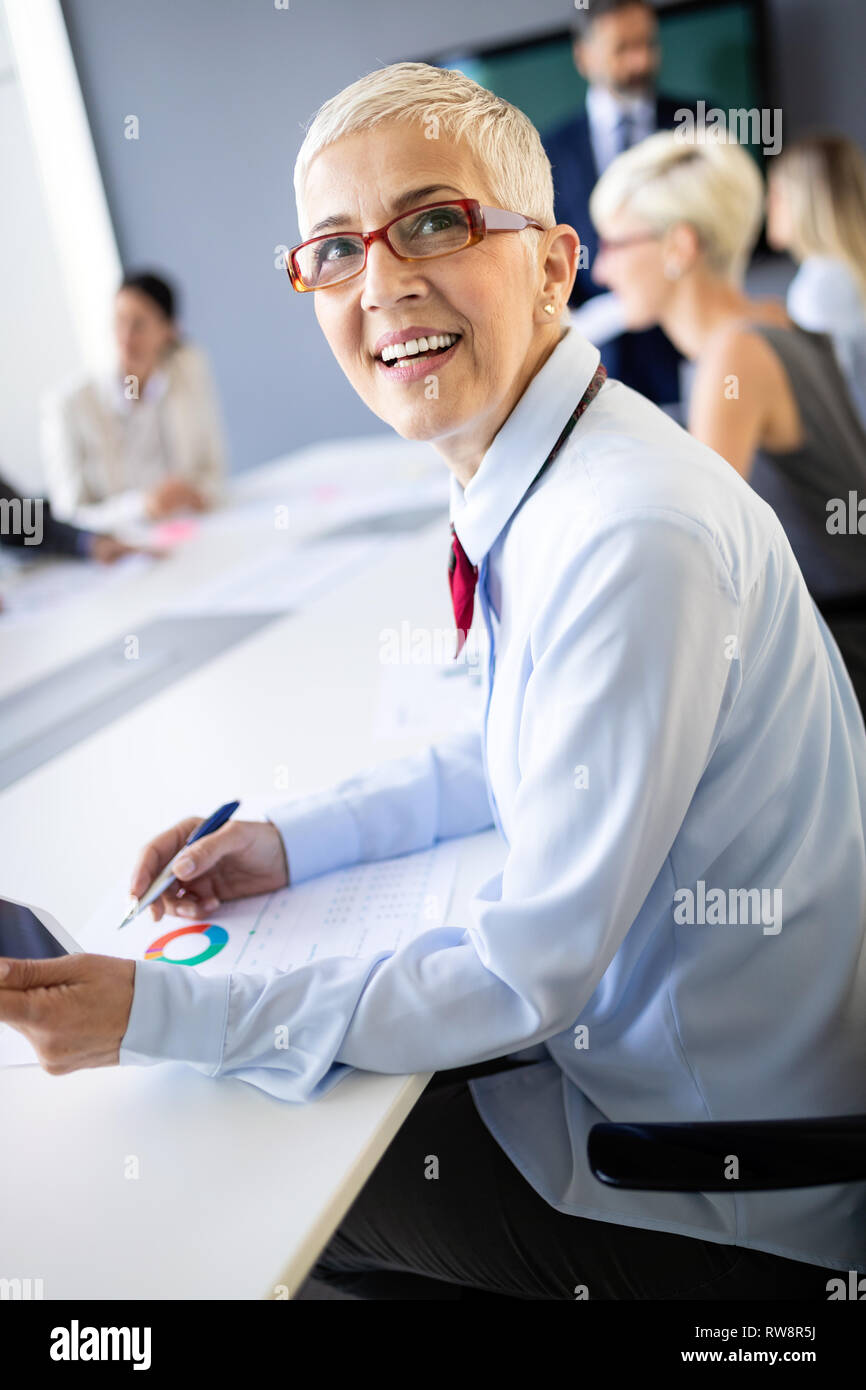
(217, 937)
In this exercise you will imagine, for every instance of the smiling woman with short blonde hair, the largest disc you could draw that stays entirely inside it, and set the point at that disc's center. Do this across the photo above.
(439, 134)
(663, 710)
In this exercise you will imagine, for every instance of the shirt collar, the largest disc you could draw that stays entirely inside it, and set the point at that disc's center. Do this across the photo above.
(154, 388)
(480, 511)
(605, 109)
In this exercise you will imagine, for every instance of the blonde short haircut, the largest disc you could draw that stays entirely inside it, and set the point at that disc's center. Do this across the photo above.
(504, 142)
(715, 187)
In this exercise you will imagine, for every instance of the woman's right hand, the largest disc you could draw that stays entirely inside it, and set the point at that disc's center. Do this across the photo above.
(240, 860)
(173, 495)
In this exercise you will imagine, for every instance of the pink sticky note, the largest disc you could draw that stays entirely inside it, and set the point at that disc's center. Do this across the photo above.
(326, 492)
(172, 532)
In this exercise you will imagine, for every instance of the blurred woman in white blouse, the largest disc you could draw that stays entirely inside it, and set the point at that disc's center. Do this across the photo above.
(146, 442)
(816, 211)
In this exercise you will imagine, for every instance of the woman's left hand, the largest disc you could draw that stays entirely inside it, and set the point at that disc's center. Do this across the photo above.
(73, 1010)
(107, 549)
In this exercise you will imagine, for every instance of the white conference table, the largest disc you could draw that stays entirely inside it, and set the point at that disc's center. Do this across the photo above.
(236, 1193)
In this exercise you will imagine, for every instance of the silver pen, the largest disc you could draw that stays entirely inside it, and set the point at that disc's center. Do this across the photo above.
(167, 877)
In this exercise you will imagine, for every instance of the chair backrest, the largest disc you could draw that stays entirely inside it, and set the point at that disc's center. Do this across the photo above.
(716, 1156)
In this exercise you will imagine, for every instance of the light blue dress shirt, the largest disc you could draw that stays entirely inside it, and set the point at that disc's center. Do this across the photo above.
(667, 721)
(605, 113)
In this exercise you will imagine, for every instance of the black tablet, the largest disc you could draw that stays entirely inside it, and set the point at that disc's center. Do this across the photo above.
(30, 933)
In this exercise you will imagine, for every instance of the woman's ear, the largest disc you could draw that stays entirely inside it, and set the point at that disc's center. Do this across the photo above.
(682, 246)
(560, 264)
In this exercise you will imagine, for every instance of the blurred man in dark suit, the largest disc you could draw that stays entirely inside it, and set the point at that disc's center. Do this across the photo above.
(616, 50)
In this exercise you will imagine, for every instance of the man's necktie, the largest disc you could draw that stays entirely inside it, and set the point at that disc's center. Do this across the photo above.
(624, 132)
(462, 574)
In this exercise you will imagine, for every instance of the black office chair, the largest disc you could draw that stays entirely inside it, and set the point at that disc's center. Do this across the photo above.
(771, 1154)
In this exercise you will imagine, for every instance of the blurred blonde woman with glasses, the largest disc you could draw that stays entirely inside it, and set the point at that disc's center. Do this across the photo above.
(677, 223)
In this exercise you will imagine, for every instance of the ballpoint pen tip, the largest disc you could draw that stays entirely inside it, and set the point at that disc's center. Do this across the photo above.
(130, 912)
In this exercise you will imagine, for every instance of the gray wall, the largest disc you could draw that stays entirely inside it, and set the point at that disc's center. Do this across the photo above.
(222, 88)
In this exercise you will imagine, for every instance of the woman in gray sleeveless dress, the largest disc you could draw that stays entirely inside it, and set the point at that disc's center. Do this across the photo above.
(810, 488)
(677, 222)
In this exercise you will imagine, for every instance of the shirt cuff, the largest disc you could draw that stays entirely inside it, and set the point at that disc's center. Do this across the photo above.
(319, 834)
(84, 542)
(177, 1015)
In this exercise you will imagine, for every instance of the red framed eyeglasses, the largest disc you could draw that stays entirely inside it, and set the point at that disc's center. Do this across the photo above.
(421, 234)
